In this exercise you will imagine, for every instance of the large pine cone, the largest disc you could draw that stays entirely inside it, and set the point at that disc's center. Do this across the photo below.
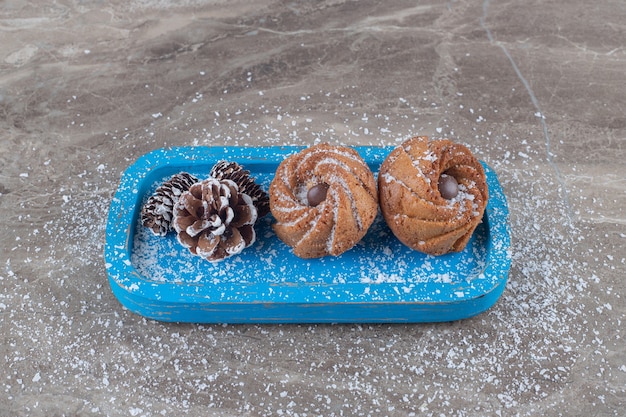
(158, 212)
(235, 172)
(413, 200)
(214, 219)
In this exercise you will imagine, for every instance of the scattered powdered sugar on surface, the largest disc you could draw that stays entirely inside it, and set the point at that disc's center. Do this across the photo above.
(550, 337)
(524, 350)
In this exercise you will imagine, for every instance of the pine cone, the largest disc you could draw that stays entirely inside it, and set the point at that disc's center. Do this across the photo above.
(157, 213)
(214, 219)
(235, 172)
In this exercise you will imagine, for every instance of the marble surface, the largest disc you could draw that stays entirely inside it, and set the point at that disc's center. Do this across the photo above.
(537, 89)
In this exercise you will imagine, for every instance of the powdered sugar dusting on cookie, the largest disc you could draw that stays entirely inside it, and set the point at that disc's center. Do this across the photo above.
(433, 224)
(300, 173)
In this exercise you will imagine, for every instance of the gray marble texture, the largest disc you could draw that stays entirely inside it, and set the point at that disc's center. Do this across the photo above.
(536, 88)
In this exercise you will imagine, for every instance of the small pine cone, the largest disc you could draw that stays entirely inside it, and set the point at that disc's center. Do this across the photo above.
(214, 219)
(235, 172)
(157, 213)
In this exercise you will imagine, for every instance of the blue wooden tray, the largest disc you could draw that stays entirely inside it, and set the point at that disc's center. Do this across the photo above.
(379, 280)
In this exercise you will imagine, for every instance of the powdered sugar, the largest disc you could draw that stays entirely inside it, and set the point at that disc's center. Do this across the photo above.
(300, 193)
(551, 345)
(429, 156)
(464, 200)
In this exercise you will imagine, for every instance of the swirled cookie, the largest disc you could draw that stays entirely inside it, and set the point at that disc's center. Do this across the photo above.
(432, 194)
(324, 200)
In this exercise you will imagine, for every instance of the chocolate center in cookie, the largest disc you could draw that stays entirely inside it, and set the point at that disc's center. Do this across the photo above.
(317, 194)
(448, 186)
